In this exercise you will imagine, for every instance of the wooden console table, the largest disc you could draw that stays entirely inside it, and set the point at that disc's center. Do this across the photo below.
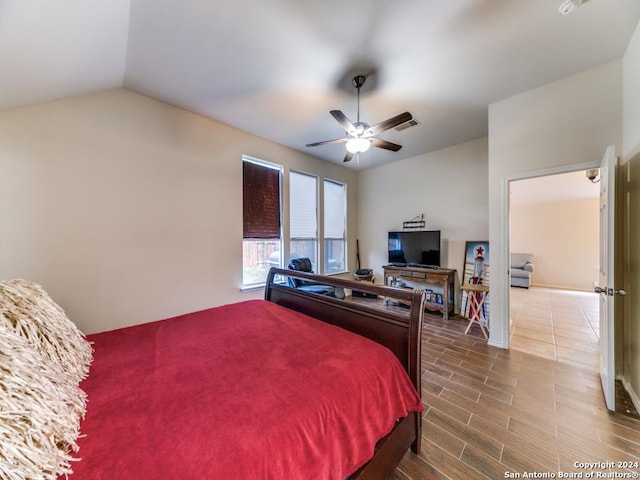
(420, 277)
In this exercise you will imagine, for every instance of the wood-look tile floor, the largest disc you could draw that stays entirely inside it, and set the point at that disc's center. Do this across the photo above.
(491, 413)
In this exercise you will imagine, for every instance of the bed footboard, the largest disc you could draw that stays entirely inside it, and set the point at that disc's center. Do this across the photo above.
(399, 331)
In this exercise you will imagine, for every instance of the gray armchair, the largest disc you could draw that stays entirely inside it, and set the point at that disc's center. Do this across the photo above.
(521, 268)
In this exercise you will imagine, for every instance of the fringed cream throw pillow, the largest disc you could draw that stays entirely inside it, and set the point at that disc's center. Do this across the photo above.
(39, 413)
(43, 357)
(28, 309)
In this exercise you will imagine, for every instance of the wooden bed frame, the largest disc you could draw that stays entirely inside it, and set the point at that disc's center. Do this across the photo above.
(395, 328)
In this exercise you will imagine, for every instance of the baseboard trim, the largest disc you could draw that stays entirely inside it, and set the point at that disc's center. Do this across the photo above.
(632, 394)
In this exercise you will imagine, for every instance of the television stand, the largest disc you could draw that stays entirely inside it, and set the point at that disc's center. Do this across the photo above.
(422, 277)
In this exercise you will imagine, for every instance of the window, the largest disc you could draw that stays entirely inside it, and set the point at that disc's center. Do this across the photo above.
(303, 217)
(261, 238)
(335, 221)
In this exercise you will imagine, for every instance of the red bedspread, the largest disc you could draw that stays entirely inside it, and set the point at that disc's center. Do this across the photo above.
(244, 391)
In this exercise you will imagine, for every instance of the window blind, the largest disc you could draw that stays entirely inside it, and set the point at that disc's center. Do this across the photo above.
(260, 201)
(303, 206)
(335, 201)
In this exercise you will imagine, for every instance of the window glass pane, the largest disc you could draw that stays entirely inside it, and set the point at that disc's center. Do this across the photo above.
(334, 255)
(335, 220)
(305, 248)
(258, 256)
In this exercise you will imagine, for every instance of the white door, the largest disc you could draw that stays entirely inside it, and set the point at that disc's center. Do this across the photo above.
(605, 281)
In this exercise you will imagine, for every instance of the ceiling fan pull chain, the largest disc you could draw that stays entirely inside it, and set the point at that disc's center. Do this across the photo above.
(358, 114)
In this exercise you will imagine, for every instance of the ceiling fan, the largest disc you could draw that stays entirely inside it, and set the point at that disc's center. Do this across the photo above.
(361, 136)
(569, 6)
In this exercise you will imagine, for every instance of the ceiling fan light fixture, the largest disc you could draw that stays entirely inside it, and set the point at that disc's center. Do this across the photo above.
(358, 145)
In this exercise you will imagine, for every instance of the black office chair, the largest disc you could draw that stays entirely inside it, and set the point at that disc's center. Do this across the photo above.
(303, 264)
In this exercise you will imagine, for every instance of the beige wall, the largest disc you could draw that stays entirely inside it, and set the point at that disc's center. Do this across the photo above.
(128, 210)
(448, 186)
(630, 174)
(559, 127)
(564, 238)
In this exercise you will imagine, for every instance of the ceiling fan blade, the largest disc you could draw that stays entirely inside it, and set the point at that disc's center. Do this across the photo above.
(348, 156)
(388, 124)
(343, 120)
(326, 142)
(376, 142)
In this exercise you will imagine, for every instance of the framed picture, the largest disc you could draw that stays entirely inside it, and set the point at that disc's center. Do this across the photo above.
(476, 271)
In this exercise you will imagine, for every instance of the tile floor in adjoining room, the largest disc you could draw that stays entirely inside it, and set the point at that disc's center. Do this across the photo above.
(557, 324)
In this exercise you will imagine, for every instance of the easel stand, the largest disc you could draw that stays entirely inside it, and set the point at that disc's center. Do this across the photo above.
(476, 295)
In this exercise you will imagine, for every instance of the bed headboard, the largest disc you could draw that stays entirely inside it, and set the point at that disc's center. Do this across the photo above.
(396, 328)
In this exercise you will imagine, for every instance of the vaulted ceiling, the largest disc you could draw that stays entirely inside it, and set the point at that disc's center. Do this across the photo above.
(275, 68)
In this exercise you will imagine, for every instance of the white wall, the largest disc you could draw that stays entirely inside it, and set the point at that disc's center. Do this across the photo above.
(448, 186)
(631, 200)
(564, 238)
(128, 210)
(550, 129)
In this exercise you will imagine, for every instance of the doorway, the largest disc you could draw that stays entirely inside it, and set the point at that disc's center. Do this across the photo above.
(555, 218)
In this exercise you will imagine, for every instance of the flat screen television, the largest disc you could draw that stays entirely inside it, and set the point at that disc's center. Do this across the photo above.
(415, 248)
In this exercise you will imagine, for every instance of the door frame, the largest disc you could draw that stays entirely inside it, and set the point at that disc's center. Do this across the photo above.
(505, 233)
